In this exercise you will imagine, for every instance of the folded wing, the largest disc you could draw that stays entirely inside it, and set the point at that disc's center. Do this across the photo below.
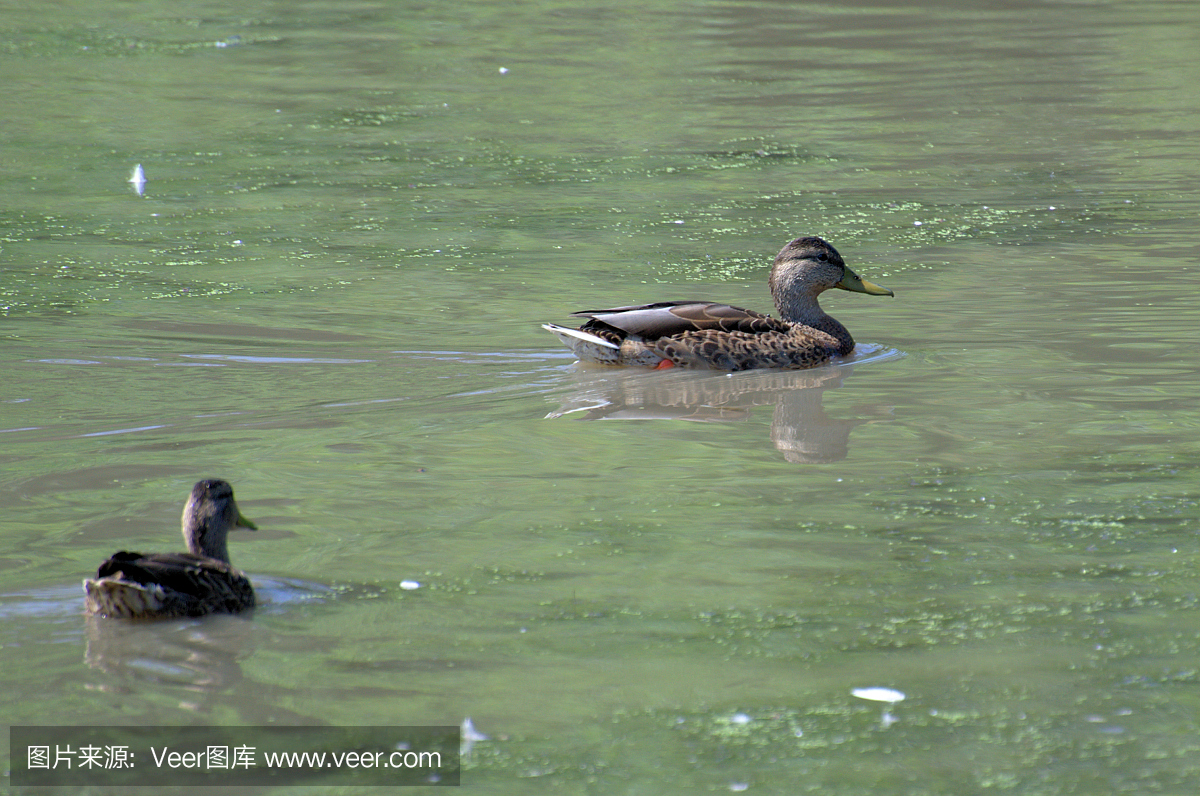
(669, 318)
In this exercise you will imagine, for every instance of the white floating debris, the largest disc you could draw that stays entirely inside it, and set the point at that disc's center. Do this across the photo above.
(504, 70)
(137, 179)
(740, 718)
(469, 736)
(879, 694)
(469, 733)
(409, 585)
(889, 695)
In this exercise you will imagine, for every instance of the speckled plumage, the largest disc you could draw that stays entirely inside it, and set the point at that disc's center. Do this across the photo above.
(164, 585)
(701, 334)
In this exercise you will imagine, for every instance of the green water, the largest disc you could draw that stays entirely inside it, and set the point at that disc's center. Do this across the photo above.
(330, 293)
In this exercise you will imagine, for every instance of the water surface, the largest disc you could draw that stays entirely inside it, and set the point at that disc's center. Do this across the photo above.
(329, 292)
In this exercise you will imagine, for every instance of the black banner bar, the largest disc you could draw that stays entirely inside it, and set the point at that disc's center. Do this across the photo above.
(224, 756)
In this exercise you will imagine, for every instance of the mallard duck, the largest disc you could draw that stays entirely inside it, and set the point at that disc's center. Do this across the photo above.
(163, 585)
(701, 334)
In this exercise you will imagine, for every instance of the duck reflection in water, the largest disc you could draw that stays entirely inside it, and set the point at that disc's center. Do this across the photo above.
(800, 428)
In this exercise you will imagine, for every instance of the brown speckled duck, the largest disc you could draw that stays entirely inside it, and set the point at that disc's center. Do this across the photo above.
(701, 334)
(165, 585)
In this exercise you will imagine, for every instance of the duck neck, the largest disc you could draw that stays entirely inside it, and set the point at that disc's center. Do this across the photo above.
(800, 306)
(203, 539)
(215, 546)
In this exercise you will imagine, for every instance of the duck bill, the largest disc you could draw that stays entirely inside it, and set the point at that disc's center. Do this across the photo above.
(242, 522)
(853, 282)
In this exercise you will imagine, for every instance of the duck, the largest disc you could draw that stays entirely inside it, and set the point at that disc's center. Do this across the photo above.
(170, 585)
(707, 335)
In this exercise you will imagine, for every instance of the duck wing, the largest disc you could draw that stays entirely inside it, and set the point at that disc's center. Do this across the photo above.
(670, 318)
(177, 571)
(185, 583)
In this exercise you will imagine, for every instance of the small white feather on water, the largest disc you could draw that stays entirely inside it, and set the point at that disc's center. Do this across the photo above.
(137, 179)
(879, 694)
(469, 736)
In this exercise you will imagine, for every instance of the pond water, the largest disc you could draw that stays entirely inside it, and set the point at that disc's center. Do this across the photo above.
(329, 291)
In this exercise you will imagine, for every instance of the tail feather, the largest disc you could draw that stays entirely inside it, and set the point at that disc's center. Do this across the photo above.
(126, 600)
(572, 337)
